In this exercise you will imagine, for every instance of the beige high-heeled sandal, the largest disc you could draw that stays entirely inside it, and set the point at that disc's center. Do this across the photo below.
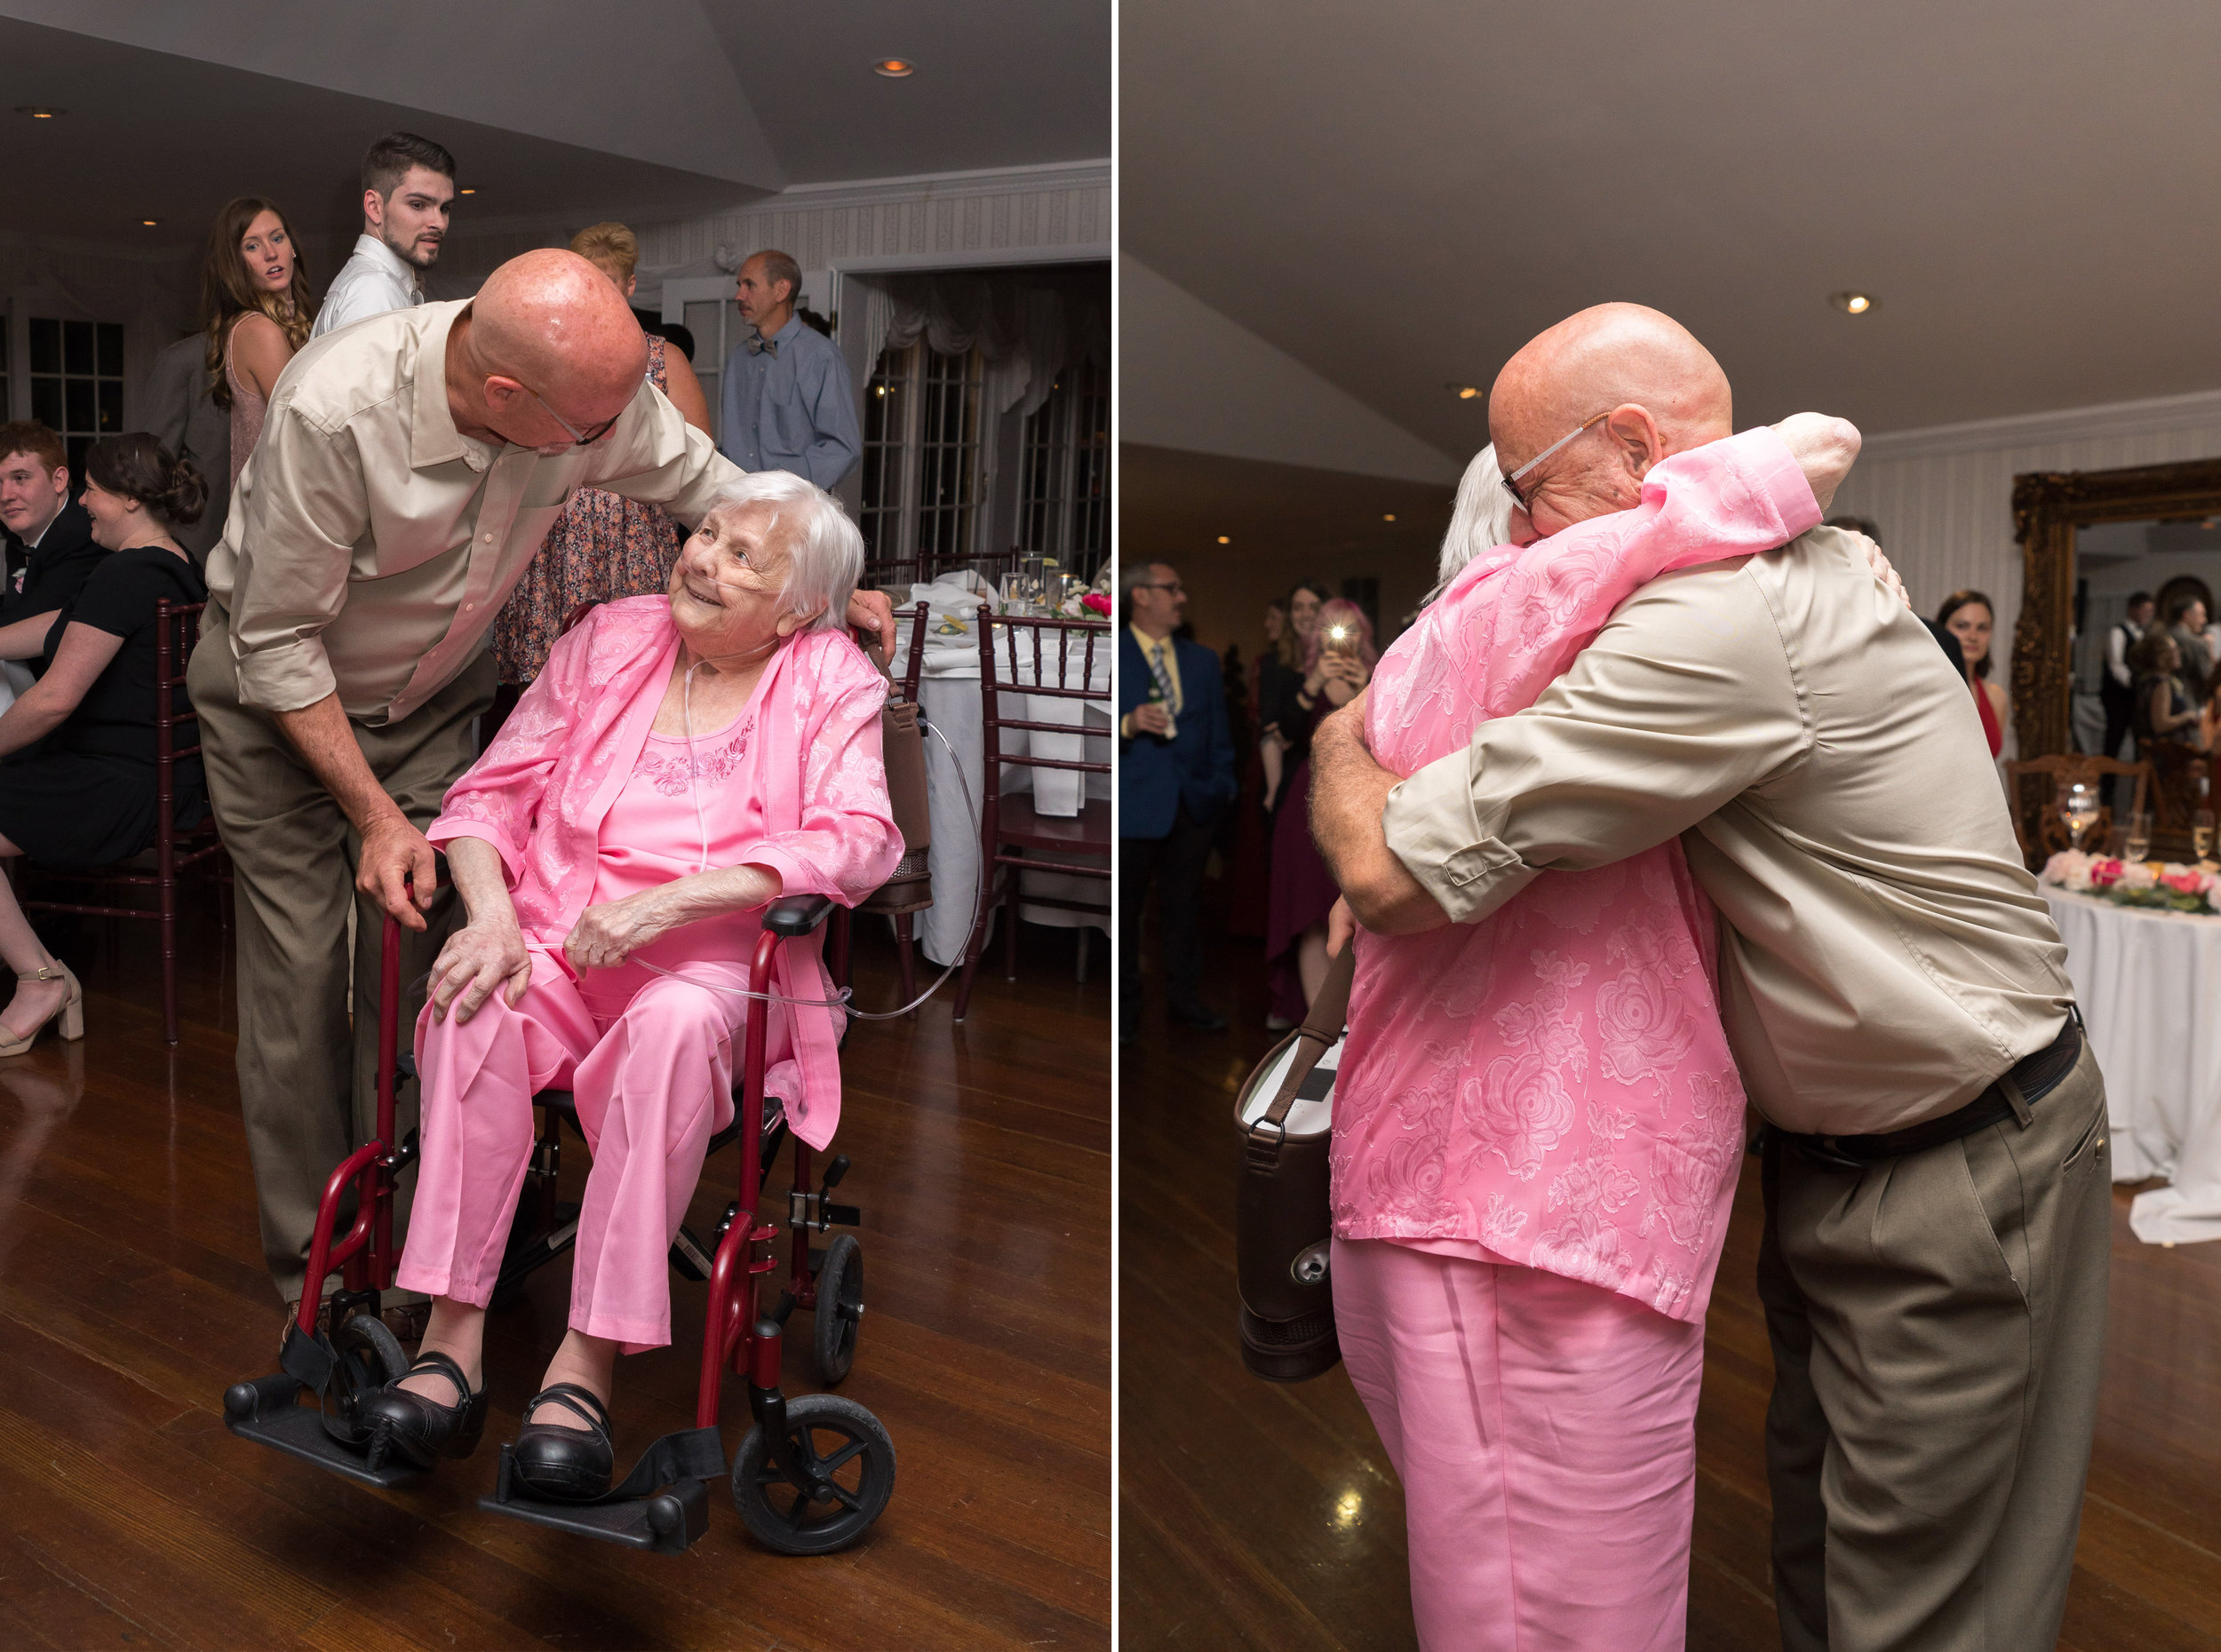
(71, 1010)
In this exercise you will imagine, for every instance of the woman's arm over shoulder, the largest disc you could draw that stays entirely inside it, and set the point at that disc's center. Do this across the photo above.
(259, 351)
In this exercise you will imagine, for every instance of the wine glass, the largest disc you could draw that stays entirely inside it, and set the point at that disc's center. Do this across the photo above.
(2138, 845)
(2201, 833)
(2082, 810)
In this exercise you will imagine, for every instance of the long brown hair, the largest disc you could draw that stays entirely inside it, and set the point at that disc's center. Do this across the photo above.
(228, 290)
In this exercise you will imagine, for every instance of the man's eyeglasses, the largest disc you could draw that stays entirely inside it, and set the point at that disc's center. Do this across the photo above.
(1174, 585)
(1511, 481)
(578, 438)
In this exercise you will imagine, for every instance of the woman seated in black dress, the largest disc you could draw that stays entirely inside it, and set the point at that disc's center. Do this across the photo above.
(77, 749)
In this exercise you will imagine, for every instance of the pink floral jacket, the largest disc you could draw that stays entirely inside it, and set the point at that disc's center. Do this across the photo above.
(810, 779)
(1552, 1085)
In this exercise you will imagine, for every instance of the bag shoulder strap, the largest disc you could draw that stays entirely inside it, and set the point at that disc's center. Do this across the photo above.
(1322, 1027)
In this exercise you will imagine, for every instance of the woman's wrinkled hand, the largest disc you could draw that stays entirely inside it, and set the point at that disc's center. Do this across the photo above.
(605, 936)
(477, 958)
(1825, 449)
(1883, 571)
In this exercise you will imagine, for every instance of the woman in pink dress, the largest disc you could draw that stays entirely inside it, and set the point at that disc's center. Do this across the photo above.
(1537, 1125)
(680, 762)
(604, 546)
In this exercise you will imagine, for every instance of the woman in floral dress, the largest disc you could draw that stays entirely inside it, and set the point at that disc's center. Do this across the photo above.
(602, 547)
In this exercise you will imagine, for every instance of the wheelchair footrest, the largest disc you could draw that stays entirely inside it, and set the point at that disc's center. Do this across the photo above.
(267, 1411)
(663, 1505)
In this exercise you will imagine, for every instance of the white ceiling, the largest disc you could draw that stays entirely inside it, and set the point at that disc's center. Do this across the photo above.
(1399, 193)
(555, 109)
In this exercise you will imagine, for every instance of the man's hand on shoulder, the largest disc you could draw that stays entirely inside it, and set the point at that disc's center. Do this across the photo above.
(1349, 792)
(1825, 448)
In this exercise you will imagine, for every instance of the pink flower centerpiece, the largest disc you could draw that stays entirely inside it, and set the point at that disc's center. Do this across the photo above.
(2169, 887)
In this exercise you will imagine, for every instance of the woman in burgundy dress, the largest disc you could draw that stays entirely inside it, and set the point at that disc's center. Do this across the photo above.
(602, 547)
(1338, 660)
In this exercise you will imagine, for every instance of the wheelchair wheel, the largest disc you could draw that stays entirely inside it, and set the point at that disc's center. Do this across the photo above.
(845, 1445)
(839, 1309)
(368, 1357)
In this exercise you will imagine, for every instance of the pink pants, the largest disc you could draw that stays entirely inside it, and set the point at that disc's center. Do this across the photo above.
(649, 1062)
(1544, 1433)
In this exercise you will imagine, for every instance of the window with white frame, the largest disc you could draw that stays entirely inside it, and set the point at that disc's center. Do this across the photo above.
(76, 378)
(717, 331)
(1064, 483)
(923, 481)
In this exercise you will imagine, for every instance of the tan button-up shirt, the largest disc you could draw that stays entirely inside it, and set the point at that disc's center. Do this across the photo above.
(370, 542)
(1886, 955)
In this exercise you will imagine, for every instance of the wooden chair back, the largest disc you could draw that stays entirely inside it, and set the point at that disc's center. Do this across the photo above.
(1062, 651)
(2032, 789)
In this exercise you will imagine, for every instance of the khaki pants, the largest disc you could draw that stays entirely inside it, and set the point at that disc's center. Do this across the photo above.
(307, 1079)
(1937, 1324)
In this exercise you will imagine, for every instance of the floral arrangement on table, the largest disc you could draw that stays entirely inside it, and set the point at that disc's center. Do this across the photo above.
(2169, 887)
(1093, 603)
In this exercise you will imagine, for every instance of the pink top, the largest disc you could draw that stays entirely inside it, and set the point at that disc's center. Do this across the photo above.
(1552, 1086)
(248, 409)
(798, 786)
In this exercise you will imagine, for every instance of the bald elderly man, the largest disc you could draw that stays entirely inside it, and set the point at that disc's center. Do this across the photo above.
(408, 469)
(1936, 1190)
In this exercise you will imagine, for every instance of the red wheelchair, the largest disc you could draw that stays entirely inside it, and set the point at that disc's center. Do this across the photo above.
(813, 1472)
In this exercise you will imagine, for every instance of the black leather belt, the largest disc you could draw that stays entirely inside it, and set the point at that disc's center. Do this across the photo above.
(2031, 1079)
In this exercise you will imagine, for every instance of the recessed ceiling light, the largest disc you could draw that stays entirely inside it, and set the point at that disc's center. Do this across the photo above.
(1389, 517)
(39, 112)
(1855, 303)
(1224, 540)
(1463, 393)
(895, 68)
(466, 192)
(150, 222)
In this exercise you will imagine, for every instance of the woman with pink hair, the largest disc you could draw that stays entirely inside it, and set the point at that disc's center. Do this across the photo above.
(1338, 660)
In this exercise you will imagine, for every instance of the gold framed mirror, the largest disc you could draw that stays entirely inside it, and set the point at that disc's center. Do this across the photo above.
(2089, 541)
(2051, 509)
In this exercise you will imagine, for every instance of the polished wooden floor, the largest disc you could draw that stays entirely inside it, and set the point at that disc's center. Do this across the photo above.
(132, 1293)
(1254, 1515)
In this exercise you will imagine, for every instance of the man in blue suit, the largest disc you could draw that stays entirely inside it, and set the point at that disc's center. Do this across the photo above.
(1176, 779)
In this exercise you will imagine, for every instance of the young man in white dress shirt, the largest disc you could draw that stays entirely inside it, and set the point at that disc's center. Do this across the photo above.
(407, 193)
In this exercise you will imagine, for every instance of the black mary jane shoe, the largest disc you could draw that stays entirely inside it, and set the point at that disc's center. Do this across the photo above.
(403, 1424)
(556, 1460)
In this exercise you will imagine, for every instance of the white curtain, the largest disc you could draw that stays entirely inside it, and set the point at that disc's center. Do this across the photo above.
(1028, 330)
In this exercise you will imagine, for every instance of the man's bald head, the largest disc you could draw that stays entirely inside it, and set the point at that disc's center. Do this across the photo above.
(1662, 389)
(557, 326)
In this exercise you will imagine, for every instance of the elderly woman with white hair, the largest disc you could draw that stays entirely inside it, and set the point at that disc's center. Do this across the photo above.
(681, 761)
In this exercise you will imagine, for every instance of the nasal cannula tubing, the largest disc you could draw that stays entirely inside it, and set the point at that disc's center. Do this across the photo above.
(694, 780)
(979, 897)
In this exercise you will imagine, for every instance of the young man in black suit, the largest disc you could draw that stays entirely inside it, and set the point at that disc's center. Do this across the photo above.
(1176, 779)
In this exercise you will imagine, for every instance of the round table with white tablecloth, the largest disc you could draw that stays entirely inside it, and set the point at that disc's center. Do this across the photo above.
(2149, 984)
(949, 695)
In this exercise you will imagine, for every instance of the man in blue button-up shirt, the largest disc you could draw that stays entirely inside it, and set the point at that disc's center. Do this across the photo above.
(786, 402)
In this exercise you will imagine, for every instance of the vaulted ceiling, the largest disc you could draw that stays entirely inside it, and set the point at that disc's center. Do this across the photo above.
(651, 108)
(1398, 193)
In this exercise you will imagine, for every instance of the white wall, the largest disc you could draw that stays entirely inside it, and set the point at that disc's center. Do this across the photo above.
(962, 217)
(1943, 497)
(1192, 379)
